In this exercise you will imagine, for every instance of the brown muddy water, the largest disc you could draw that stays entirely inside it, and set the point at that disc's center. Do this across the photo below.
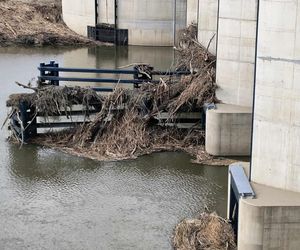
(51, 200)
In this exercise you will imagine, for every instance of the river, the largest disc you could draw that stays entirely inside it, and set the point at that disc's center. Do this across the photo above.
(51, 200)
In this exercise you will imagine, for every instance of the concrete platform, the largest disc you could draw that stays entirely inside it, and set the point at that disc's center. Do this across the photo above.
(228, 130)
(270, 221)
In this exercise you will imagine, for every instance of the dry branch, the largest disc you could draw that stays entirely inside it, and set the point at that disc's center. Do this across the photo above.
(126, 125)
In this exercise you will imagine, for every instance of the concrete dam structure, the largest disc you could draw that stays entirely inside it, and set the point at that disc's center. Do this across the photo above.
(146, 22)
(149, 23)
(257, 71)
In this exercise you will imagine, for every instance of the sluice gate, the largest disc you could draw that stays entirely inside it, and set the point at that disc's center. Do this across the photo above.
(28, 123)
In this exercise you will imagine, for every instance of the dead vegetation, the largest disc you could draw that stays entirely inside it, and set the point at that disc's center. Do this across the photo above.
(126, 123)
(209, 231)
(35, 23)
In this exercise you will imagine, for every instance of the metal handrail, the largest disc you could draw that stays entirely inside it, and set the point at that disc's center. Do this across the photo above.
(50, 72)
(109, 71)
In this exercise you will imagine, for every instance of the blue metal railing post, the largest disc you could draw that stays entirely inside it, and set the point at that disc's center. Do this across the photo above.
(56, 74)
(24, 119)
(42, 73)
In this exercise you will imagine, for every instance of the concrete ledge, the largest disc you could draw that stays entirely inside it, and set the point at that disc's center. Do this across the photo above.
(228, 130)
(271, 221)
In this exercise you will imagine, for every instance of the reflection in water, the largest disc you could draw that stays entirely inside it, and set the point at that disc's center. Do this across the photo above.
(50, 200)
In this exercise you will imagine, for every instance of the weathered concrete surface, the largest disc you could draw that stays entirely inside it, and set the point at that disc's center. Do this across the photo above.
(149, 22)
(236, 51)
(228, 130)
(207, 23)
(192, 12)
(276, 138)
(153, 26)
(106, 11)
(181, 15)
(271, 221)
(78, 14)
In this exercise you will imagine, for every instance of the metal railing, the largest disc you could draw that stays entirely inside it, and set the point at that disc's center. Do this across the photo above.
(49, 75)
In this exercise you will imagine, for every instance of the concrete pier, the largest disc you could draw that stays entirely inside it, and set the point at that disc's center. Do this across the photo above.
(228, 130)
(207, 23)
(192, 12)
(277, 97)
(271, 221)
(236, 51)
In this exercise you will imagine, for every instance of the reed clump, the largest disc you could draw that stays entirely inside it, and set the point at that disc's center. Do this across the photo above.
(208, 232)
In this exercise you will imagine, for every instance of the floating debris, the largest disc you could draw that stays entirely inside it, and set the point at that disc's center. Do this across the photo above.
(209, 231)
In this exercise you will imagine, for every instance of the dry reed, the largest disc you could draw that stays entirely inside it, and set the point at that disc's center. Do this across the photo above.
(209, 231)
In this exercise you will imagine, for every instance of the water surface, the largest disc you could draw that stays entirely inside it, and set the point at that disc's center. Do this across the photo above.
(51, 200)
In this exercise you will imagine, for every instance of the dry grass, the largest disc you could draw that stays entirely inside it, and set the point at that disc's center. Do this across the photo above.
(209, 231)
(38, 24)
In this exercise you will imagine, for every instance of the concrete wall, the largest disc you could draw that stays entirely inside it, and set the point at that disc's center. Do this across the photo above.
(106, 11)
(228, 130)
(192, 12)
(181, 14)
(276, 141)
(207, 23)
(236, 51)
(271, 221)
(78, 14)
(149, 22)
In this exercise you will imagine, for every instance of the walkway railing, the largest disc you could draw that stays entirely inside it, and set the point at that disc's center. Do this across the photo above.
(49, 75)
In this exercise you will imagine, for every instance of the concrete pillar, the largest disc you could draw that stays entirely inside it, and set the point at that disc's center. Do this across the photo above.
(192, 12)
(228, 130)
(78, 14)
(106, 12)
(271, 221)
(181, 14)
(207, 23)
(236, 51)
(151, 22)
(276, 137)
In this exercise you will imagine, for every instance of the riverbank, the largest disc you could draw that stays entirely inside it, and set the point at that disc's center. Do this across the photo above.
(36, 23)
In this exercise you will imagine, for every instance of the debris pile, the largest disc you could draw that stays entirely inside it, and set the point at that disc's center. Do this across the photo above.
(209, 231)
(35, 23)
(126, 123)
